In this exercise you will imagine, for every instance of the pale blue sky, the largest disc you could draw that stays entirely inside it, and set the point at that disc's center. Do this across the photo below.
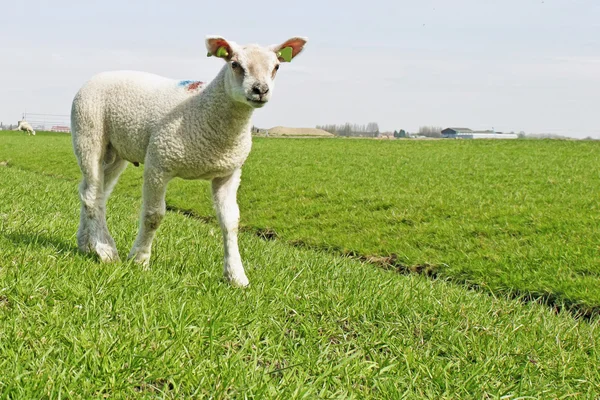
(508, 64)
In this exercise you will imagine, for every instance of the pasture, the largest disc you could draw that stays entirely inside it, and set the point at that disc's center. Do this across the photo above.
(503, 238)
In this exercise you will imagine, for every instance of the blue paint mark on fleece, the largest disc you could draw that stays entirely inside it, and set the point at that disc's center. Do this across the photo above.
(185, 83)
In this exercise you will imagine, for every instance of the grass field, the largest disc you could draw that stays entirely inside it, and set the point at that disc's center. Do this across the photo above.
(513, 218)
(518, 217)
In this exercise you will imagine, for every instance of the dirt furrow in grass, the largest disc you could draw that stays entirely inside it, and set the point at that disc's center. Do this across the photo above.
(553, 301)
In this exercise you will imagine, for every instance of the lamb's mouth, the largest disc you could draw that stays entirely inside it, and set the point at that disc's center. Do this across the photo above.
(257, 103)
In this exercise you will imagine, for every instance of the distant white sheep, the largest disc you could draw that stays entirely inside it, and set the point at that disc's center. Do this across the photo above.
(25, 127)
(177, 129)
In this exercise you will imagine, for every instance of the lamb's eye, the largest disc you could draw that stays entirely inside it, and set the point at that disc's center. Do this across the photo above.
(236, 65)
(277, 67)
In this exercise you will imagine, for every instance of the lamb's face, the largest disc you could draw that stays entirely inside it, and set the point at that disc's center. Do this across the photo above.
(251, 70)
(251, 75)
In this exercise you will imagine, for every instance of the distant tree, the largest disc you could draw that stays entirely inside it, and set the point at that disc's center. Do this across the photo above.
(400, 134)
(431, 131)
(373, 128)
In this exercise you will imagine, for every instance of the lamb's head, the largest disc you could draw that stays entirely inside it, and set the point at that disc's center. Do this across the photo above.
(251, 70)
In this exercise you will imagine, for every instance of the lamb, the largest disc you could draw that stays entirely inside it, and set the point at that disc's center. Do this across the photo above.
(25, 127)
(182, 129)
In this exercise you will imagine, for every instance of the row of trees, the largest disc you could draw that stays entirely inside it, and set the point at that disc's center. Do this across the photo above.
(7, 127)
(348, 129)
(431, 131)
(372, 130)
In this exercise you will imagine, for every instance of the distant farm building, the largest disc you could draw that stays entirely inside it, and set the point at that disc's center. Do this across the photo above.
(466, 133)
(284, 131)
(385, 135)
(60, 128)
(49, 122)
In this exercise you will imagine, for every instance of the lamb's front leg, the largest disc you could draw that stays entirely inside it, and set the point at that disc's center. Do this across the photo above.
(153, 211)
(224, 196)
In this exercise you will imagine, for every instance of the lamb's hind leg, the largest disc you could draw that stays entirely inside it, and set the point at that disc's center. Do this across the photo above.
(153, 211)
(93, 235)
(113, 167)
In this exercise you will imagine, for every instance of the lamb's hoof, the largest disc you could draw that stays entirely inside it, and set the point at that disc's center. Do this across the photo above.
(107, 253)
(239, 281)
(140, 258)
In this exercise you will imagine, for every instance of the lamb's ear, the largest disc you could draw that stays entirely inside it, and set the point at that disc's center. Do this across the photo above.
(218, 47)
(290, 48)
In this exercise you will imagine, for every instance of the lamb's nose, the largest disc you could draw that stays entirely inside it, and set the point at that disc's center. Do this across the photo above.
(260, 89)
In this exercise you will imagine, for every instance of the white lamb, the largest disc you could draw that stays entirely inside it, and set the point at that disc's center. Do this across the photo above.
(177, 129)
(25, 127)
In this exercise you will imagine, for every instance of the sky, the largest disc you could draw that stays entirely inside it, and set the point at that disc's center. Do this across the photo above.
(510, 65)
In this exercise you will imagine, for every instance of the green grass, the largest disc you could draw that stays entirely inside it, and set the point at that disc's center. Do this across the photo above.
(312, 324)
(517, 217)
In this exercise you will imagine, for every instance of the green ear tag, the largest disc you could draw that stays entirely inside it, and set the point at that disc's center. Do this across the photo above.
(286, 54)
(222, 52)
